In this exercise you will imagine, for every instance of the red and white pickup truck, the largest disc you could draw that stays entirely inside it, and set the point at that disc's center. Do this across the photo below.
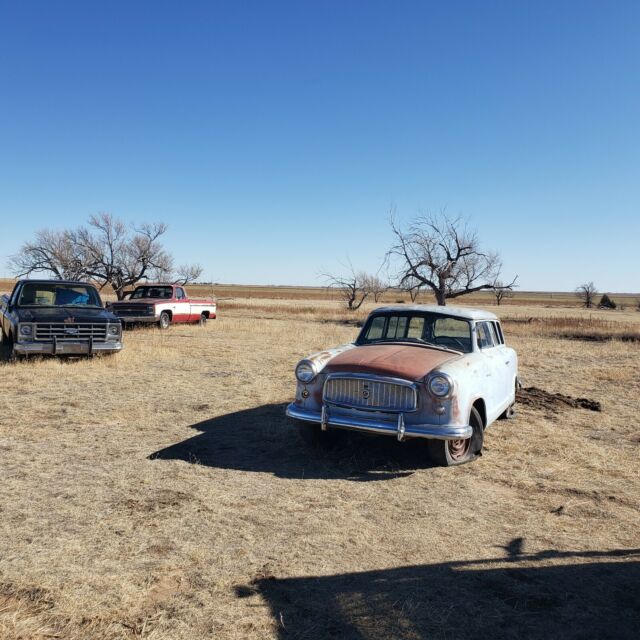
(163, 304)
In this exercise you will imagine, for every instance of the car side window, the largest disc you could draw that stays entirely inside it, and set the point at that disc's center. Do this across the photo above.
(180, 293)
(486, 338)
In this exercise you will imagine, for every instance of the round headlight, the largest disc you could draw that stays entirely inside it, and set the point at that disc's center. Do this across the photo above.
(26, 329)
(439, 386)
(305, 372)
(114, 330)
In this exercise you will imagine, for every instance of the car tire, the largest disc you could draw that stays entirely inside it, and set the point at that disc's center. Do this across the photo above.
(451, 453)
(510, 412)
(165, 320)
(6, 341)
(203, 319)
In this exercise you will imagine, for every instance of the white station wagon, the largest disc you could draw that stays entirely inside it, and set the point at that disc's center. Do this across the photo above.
(423, 371)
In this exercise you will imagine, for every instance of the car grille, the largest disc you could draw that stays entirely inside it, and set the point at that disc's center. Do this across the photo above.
(132, 310)
(367, 393)
(71, 331)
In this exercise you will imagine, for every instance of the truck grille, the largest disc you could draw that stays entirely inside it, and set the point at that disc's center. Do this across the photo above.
(71, 331)
(132, 310)
(366, 393)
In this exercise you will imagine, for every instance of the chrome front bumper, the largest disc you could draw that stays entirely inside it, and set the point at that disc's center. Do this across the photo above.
(399, 428)
(67, 347)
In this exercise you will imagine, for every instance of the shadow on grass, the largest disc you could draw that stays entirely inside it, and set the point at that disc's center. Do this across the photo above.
(263, 439)
(589, 595)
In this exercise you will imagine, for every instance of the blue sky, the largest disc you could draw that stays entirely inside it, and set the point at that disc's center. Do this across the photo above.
(273, 137)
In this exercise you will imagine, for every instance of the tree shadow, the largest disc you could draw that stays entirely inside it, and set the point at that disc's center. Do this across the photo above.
(263, 439)
(590, 595)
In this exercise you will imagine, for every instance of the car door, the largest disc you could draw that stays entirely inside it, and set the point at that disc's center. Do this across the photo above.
(508, 363)
(182, 311)
(493, 366)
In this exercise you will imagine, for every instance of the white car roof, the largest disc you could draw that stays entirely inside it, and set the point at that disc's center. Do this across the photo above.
(465, 313)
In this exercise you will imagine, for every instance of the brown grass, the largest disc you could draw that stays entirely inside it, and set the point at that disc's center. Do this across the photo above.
(161, 494)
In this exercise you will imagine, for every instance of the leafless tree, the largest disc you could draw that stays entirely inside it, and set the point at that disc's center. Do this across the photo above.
(353, 287)
(412, 287)
(52, 252)
(500, 291)
(187, 273)
(442, 253)
(106, 251)
(377, 286)
(587, 293)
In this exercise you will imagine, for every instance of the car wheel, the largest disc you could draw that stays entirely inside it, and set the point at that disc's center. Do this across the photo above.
(8, 347)
(450, 453)
(165, 320)
(509, 413)
(203, 319)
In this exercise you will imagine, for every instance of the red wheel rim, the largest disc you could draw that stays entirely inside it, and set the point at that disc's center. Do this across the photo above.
(458, 448)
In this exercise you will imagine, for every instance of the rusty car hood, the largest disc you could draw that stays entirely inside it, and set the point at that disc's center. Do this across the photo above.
(411, 362)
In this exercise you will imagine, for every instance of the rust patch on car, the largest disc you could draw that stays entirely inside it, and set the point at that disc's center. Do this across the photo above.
(396, 360)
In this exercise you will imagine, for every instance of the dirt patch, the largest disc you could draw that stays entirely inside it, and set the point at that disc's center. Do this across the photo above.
(600, 337)
(541, 399)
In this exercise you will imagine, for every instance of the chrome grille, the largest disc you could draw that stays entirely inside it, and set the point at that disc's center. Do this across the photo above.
(132, 310)
(70, 331)
(368, 393)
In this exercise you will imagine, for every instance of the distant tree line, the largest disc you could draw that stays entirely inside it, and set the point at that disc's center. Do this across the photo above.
(106, 251)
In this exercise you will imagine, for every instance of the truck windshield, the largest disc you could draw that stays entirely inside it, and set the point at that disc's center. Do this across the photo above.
(51, 294)
(152, 292)
(424, 328)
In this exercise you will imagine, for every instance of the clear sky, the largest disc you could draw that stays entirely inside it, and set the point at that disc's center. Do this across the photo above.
(273, 137)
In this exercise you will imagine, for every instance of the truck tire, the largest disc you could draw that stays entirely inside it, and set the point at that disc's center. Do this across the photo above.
(165, 320)
(451, 453)
(9, 353)
(203, 319)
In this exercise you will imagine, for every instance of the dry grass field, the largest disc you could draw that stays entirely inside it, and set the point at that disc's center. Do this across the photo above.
(162, 494)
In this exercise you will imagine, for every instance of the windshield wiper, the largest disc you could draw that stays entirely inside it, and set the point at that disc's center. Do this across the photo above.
(419, 341)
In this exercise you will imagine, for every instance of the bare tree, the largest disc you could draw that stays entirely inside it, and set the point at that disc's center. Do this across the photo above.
(353, 287)
(587, 293)
(412, 287)
(52, 252)
(500, 291)
(377, 286)
(106, 251)
(441, 253)
(187, 273)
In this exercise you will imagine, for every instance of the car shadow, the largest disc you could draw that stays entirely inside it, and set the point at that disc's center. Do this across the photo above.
(263, 439)
(587, 595)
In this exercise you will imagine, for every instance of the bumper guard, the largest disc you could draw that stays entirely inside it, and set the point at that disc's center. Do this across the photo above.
(398, 428)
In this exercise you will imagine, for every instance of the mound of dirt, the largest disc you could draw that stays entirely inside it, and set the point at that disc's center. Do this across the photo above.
(541, 399)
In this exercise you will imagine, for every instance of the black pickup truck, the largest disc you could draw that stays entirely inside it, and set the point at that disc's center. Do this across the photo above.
(57, 317)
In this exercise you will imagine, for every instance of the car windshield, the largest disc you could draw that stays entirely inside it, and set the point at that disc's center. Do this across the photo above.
(51, 294)
(423, 328)
(152, 292)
